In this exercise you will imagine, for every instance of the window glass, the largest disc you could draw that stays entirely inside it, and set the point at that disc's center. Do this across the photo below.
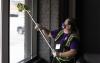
(17, 20)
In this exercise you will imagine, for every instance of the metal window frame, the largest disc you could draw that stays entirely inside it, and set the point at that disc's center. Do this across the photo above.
(0, 33)
(32, 37)
(5, 31)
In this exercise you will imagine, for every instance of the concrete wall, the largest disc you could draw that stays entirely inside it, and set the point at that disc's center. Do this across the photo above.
(89, 22)
(89, 14)
(47, 16)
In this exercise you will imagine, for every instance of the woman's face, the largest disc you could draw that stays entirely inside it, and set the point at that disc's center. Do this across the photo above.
(66, 25)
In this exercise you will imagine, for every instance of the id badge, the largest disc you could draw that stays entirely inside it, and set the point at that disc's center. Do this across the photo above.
(57, 46)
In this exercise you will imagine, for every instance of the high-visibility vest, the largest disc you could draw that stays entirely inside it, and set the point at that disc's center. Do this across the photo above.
(67, 43)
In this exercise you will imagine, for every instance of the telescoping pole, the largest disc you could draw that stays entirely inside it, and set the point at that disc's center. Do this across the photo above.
(40, 31)
(22, 7)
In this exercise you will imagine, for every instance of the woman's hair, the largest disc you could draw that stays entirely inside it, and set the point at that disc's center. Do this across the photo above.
(72, 22)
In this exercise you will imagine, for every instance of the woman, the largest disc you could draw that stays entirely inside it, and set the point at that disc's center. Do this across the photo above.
(66, 42)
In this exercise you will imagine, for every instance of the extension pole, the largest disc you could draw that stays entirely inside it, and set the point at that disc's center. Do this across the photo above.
(40, 31)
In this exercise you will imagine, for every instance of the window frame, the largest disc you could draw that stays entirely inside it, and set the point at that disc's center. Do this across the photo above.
(5, 31)
(0, 33)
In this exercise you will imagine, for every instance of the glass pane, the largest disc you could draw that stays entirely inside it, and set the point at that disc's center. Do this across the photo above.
(16, 32)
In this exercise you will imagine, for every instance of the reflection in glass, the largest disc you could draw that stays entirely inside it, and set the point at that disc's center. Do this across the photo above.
(20, 30)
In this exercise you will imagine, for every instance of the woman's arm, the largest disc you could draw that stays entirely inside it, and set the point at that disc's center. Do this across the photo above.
(70, 53)
(73, 50)
(46, 31)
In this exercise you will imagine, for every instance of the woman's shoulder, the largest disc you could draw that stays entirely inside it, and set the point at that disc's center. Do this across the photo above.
(75, 35)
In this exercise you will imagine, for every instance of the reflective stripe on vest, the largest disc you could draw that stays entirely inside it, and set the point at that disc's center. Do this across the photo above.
(70, 39)
(58, 35)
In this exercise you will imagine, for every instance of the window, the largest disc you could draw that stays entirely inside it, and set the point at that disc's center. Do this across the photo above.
(17, 23)
(24, 32)
(22, 37)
